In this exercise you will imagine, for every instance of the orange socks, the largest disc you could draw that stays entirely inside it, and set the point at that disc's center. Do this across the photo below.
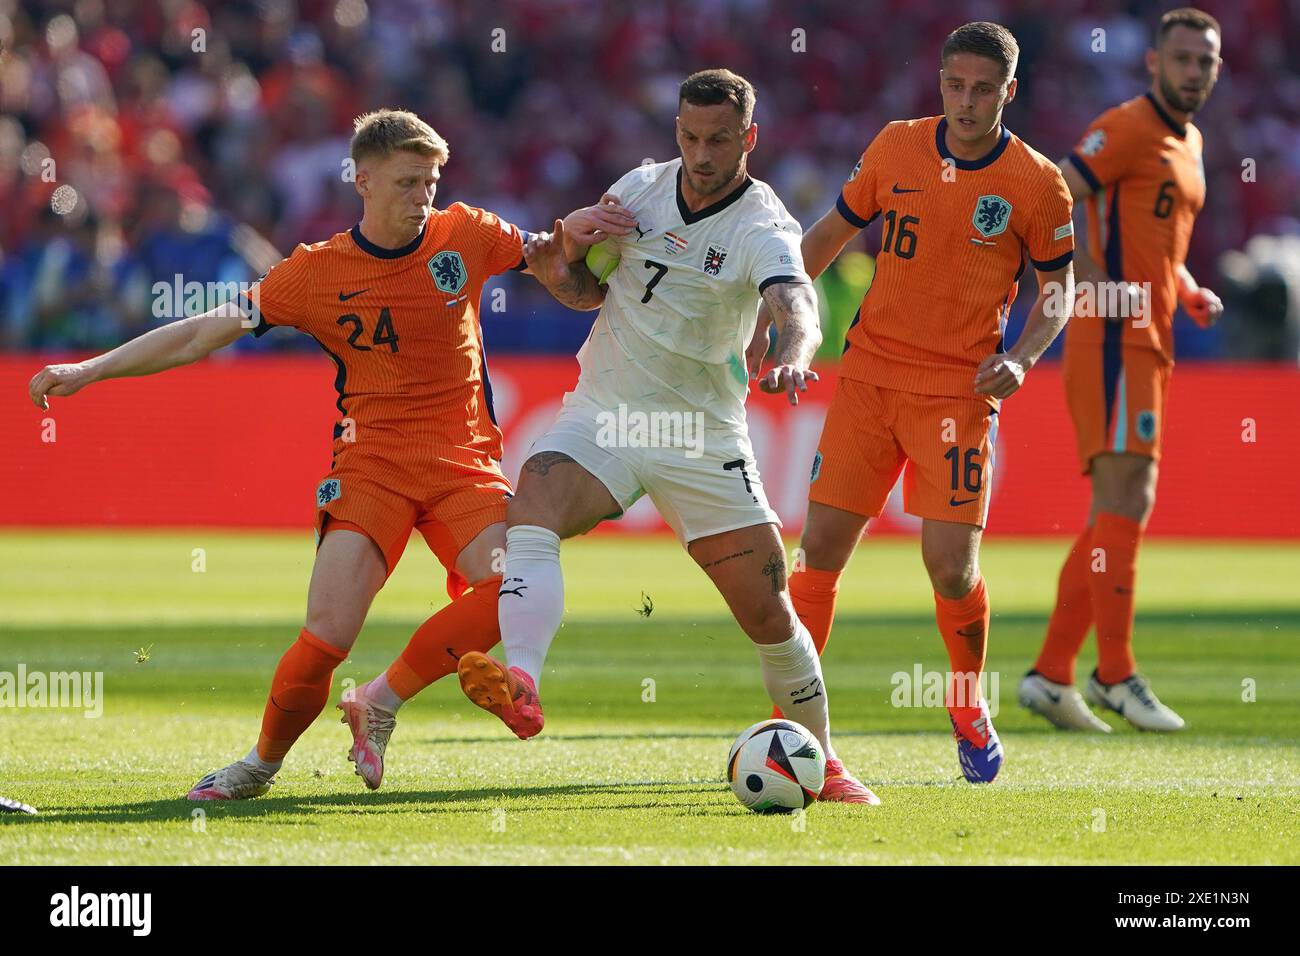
(468, 623)
(301, 686)
(1112, 595)
(299, 690)
(813, 593)
(964, 624)
(1072, 615)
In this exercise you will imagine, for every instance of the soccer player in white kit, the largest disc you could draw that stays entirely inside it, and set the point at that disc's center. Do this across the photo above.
(686, 250)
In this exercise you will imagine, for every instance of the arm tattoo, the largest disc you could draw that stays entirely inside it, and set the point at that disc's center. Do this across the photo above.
(579, 290)
(775, 569)
(794, 308)
(540, 464)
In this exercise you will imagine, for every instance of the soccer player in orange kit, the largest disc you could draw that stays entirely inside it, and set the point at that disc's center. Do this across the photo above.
(1138, 169)
(966, 205)
(394, 303)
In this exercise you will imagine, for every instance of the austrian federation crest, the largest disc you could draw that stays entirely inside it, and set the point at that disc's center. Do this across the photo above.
(448, 271)
(714, 258)
(992, 213)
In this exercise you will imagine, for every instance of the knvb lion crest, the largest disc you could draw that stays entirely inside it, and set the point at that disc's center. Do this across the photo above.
(992, 213)
(1146, 425)
(331, 489)
(448, 271)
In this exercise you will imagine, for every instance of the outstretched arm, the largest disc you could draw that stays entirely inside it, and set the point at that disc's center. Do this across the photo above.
(177, 343)
(793, 307)
(556, 259)
(569, 282)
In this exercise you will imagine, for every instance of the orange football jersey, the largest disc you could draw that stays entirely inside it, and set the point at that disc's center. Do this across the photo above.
(1150, 184)
(957, 236)
(403, 330)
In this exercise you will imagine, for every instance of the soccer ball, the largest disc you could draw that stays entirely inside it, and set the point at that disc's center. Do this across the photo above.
(776, 766)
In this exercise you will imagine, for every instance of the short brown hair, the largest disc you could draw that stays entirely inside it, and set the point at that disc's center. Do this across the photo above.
(991, 40)
(381, 132)
(1186, 17)
(711, 87)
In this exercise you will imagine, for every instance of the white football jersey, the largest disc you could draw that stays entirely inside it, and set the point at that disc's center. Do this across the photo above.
(683, 301)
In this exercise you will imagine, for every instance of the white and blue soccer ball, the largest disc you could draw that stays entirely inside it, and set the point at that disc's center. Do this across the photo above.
(776, 766)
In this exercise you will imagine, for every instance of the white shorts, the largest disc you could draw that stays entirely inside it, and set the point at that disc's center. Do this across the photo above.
(703, 480)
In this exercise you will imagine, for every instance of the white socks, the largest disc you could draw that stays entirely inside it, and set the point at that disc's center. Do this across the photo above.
(531, 602)
(381, 695)
(792, 673)
(256, 761)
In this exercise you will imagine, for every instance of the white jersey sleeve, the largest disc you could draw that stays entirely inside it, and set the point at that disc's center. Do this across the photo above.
(775, 254)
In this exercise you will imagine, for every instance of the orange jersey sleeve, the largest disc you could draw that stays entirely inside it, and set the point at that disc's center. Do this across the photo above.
(858, 202)
(1108, 148)
(273, 297)
(501, 245)
(1049, 233)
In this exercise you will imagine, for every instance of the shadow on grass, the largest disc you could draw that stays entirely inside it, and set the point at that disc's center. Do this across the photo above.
(721, 737)
(274, 633)
(180, 810)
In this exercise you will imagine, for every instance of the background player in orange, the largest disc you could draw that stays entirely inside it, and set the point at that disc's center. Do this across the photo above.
(965, 205)
(1139, 169)
(394, 303)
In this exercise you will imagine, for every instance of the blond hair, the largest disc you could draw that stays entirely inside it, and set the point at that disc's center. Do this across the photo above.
(381, 132)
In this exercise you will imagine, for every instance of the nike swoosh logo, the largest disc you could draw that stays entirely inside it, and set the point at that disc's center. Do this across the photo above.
(897, 190)
(1053, 697)
(965, 501)
(343, 297)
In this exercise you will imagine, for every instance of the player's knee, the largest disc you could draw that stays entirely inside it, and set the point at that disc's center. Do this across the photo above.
(1142, 493)
(951, 576)
(1140, 502)
(769, 622)
(527, 507)
(826, 549)
(1133, 498)
(333, 627)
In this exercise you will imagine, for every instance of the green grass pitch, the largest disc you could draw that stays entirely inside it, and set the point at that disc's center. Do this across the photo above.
(640, 713)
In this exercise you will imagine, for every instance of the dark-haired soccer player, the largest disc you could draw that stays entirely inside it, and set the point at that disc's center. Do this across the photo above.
(676, 312)
(1138, 169)
(967, 205)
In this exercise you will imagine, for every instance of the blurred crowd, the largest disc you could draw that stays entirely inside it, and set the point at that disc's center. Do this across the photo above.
(141, 139)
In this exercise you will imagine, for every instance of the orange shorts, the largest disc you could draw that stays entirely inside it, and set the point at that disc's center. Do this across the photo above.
(1117, 396)
(451, 515)
(871, 433)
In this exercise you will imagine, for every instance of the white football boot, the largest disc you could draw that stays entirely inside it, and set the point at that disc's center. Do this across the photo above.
(371, 727)
(239, 781)
(1133, 699)
(1062, 704)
